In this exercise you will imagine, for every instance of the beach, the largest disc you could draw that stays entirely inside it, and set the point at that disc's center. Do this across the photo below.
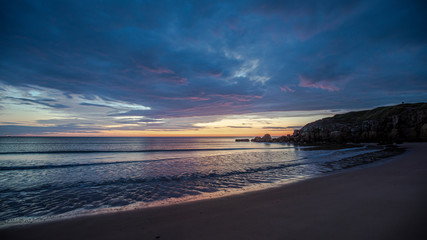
(382, 201)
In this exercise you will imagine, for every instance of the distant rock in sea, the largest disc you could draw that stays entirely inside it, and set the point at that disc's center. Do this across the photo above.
(242, 140)
(400, 123)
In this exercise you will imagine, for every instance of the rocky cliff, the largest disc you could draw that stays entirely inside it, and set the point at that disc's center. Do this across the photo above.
(400, 123)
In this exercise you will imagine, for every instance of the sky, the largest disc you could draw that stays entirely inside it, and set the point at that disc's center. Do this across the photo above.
(203, 68)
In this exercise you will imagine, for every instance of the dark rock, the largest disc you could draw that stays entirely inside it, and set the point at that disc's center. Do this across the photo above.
(266, 138)
(404, 122)
(423, 132)
(242, 140)
(282, 139)
(409, 134)
(384, 125)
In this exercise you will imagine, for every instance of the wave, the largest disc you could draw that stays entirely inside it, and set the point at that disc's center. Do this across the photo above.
(337, 151)
(190, 177)
(136, 151)
(71, 165)
(157, 179)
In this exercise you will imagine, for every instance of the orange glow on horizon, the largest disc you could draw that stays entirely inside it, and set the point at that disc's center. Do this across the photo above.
(182, 133)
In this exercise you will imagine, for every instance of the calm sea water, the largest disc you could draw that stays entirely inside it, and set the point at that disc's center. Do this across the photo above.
(43, 177)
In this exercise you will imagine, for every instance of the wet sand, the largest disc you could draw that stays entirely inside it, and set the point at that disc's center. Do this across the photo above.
(386, 201)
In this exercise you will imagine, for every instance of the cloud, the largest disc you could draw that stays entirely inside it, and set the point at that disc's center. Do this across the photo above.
(131, 120)
(165, 60)
(41, 130)
(286, 89)
(186, 98)
(322, 84)
(44, 102)
(157, 70)
(249, 70)
(119, 105)
(239, 126)
(236, 97)
(283, 128)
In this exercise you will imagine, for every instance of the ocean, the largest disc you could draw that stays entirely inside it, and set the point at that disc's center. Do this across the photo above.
(44, 178)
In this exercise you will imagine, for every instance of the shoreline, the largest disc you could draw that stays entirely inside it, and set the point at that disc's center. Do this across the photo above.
(253, 210)
(362, 160)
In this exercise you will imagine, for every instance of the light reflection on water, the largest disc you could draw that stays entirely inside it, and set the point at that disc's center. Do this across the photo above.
(45, 184)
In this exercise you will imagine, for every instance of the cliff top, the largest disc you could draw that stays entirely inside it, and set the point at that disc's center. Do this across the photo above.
(377, 113)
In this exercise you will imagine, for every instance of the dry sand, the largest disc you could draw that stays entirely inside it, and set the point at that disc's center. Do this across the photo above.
(387, 201)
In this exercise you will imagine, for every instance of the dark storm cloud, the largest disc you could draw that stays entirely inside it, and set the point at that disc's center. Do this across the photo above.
(198, 58)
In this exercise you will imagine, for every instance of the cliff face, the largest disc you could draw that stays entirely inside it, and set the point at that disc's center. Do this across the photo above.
(404, 122)
(400, 123)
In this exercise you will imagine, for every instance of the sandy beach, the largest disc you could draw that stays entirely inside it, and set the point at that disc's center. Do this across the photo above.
(385, 201)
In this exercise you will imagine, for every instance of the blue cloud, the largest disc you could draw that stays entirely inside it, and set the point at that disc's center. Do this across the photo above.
(45, 102)
(189, 58)
(40, 130)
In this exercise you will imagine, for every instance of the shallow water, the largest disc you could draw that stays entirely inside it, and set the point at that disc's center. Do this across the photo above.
(46, 177)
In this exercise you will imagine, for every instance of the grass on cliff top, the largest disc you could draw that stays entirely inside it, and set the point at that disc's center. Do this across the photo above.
(378, 113)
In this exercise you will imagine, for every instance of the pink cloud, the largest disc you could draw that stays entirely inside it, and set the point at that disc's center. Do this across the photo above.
(237, 97)
(286, 89)
(210, 74)
(175, 79)
(215, 75)
(157, 70)
(203, 110)
(167, 75)
(322, 84)
(195, 99)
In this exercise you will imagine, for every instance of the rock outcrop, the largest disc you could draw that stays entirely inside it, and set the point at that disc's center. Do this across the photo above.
(266, 138)
(242, 140)
(400, 123)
